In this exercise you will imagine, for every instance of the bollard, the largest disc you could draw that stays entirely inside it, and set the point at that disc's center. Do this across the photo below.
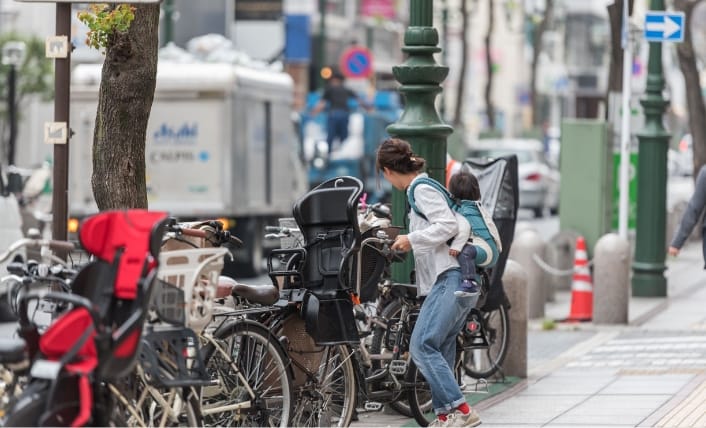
(560, 254)
(611, 280)
(526, 244)
(515, 284)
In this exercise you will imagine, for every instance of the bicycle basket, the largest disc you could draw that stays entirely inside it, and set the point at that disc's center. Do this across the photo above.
(169, 303)
(171, 359)
(195, 272)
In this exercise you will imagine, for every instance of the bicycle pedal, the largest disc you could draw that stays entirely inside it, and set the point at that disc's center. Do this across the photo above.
(373, 406)
(398, 367)
(481, 387)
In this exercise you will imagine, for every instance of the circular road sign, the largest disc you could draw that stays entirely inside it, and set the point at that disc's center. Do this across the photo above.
(356, 61)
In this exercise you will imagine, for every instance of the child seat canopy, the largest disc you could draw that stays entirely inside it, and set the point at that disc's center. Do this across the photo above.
(133, 234)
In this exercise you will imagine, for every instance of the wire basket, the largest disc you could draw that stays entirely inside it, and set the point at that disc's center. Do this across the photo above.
(195, 272)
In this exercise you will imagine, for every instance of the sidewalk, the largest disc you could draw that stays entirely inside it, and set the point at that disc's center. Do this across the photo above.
(650, 373)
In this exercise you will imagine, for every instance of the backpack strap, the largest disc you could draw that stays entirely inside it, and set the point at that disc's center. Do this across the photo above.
(430, 182)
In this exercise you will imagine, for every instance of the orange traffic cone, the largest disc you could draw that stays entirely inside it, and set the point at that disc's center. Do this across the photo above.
(581, 286)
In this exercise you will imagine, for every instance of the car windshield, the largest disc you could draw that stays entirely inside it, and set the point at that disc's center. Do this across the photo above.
(523, 156)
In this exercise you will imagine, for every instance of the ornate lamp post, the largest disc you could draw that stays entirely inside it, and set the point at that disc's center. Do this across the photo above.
(420, 78)
(13, 54)
(648, 269)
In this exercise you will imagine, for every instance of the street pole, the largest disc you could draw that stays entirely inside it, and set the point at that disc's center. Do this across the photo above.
(12, 112)
(445, 44)
(322, 42)
(168, 21)
(648, 268)
(62, 82)
(623, 206)
(420, 77)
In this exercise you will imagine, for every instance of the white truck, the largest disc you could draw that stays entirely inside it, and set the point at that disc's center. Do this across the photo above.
(220, 144)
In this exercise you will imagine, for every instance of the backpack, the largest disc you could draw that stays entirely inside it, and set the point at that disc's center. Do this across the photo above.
(455, 206)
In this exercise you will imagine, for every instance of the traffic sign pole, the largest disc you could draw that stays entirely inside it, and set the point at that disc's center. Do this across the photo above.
(623, 206)
(62, 88)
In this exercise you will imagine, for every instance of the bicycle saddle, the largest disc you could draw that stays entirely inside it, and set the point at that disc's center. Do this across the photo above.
(12, 351)
(266, 294)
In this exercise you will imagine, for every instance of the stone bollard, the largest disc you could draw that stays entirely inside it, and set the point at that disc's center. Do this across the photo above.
(560, 253)
(611, 280)
(526, 244)
(515, 284)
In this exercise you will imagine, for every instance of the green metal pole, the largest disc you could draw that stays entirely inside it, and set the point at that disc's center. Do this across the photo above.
(168, 21)
(650, 246)
(420, 78)
(322, 42)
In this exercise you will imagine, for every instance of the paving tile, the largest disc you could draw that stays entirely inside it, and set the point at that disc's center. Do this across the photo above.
(530, 409)
(568, 385)
(613, 409)
(657, 384)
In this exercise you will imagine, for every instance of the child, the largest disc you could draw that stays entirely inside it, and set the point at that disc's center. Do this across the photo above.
(481, 247)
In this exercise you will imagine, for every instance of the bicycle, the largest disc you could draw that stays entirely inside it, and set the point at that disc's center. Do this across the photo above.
(245, 368)
(94, 344)
(22, 278)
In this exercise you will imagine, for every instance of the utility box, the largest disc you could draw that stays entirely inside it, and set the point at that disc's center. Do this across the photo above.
(586, 165)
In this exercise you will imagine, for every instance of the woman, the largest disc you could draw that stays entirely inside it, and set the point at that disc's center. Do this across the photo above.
(433, 343)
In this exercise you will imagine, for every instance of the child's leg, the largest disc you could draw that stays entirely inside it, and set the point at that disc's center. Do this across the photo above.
(466, 259)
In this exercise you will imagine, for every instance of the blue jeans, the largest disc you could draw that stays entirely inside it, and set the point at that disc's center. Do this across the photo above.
(433, 342)
(337, 127)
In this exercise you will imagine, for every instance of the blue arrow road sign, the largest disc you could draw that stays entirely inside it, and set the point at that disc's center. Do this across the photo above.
(664, 26)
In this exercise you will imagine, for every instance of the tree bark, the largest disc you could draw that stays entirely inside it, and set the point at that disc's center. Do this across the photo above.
(489, 107)
(125, 99)
(615, 68)
(694, 97)
(536, 51)
(461, 89)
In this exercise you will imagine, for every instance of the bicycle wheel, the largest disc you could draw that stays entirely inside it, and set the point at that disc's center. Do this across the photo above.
(327, 397)
(384, 340)
(419, 396)
(254, 383)
(137, 404)
(324, 376)
(494, 326)
(29, 407)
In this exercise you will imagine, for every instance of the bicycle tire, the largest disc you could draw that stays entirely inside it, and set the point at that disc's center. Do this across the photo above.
(29, 407)
(148, 411)
(271, 383)
(418, 395)
(391, 312)
(484, 363)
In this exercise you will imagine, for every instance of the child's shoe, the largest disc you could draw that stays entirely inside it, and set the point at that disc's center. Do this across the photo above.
(467, 288)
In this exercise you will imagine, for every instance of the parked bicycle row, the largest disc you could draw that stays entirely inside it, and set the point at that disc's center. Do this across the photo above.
(148, 333)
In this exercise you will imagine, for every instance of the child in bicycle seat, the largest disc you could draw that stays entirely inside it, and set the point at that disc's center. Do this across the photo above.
(473, 244)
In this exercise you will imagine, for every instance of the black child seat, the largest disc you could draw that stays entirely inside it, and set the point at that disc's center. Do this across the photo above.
(98, 339)
(327, 217)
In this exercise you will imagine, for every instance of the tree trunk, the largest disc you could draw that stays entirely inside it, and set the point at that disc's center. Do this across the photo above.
(615, 68)
(536, 51)
(125, 99)
(460, 99)
(694, 97)
(489, 107)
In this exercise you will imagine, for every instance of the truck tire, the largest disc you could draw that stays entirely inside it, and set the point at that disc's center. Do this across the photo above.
(247, 260)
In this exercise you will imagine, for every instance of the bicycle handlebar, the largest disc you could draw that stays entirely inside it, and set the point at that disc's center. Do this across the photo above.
(40, 243)
(222, 236)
